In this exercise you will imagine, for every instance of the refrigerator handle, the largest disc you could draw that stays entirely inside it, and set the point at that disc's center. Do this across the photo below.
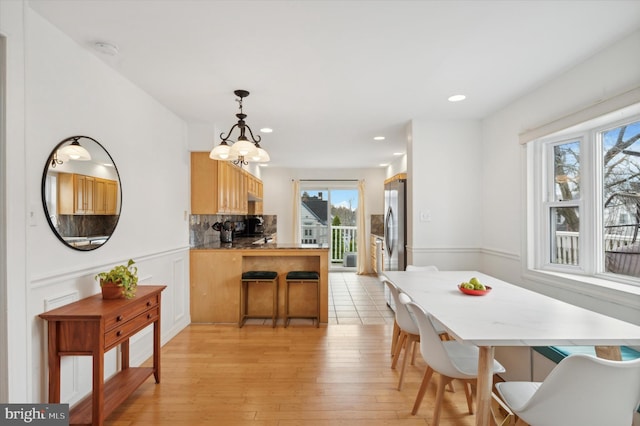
(388, 237)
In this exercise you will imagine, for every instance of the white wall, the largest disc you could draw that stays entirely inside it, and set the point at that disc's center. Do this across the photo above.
(278, 193)
(69, 91)
(613, 71)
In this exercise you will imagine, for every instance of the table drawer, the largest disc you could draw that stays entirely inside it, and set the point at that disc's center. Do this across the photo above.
(126, 329)
(131, 311)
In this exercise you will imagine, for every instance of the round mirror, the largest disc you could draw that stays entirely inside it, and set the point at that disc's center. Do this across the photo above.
(81, 193)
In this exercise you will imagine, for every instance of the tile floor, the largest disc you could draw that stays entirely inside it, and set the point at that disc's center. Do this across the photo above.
(353, 299)
(357, 299)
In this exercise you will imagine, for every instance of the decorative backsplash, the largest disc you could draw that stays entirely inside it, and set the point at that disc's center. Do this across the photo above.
(86, 225)
(201, 231)
(377, 224)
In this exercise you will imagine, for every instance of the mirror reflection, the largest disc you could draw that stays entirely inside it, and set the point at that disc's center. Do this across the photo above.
(81, 193)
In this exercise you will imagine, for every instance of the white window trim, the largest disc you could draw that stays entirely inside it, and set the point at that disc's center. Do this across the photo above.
(538, 265)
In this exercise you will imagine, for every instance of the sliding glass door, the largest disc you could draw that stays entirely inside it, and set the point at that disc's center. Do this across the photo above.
(328, 217)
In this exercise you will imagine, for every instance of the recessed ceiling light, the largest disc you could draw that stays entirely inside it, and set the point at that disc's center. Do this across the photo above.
(398, 153)
(383, 164)
(106, 48)
(266, 130)
(378, 138)
(457, 98)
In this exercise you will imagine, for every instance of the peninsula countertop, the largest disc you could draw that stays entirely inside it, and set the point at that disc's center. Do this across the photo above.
(254, 243)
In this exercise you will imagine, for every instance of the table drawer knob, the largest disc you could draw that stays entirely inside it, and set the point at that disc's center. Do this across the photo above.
(119, 318)
(149, 316)
(119, 333)
(149, 303)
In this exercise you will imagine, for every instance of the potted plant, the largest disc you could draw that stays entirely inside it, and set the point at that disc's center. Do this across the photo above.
(120, 281)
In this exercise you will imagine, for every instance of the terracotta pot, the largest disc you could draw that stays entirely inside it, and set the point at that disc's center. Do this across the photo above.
(110, 290)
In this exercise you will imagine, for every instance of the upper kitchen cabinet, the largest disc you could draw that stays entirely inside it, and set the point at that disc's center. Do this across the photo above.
(220, 187)
(255, 191)
(79, 194)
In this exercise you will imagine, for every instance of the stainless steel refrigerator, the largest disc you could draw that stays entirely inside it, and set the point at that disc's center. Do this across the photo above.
(395, 221)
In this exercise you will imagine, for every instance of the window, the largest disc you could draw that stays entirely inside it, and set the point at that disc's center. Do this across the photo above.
(587, 199)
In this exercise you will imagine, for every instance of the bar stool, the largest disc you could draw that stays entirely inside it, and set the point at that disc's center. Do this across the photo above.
(302, 277)
(257, 277)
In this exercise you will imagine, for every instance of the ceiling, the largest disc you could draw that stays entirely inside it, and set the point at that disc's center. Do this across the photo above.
(329, 76)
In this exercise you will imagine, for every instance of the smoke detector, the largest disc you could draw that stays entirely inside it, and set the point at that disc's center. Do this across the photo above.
(106, 48)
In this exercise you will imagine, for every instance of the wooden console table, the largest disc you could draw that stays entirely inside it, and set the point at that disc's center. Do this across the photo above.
(92, 326)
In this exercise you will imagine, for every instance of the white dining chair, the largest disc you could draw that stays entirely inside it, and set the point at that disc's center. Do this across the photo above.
(407, 334)
(429, 268)
(580, 390)
(449, 358)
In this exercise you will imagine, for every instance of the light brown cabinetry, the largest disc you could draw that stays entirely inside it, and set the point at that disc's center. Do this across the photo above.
(216, 274)
(255, 192)
(84, 187)
(80, 194)
(219, 187)
(105, 196)
(93, 326)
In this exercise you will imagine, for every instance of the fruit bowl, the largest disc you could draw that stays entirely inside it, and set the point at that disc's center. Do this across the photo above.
(474, 292)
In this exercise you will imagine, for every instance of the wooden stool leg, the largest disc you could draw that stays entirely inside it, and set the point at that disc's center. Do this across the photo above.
(318, 303)
(275, 302)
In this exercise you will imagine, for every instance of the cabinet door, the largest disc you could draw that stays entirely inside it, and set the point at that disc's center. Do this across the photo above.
(205, 194)
(111, 197)
(243, 197)
(99, 196)
(84, 189)
(66, 194)
(105, 196)
(215, 290)
(224, 187)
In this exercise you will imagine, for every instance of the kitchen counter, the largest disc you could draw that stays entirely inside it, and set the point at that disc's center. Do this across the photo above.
(255, 243)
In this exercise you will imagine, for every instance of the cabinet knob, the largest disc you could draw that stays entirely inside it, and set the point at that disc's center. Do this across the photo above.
(149, 303)
(119, 318)
(149, 316)
(119, 333)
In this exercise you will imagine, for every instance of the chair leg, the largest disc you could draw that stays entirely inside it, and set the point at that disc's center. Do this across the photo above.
(414, 350)
(439, 397)
(467, 393)
(501, 414)
(410, 339)
(395, 335)
(451, 388)
(401, 341)
(423, 388)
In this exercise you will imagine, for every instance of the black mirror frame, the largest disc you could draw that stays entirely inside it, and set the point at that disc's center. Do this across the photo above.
(50, 160)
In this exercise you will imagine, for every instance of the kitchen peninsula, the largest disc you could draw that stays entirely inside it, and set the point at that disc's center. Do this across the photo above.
(216, 269)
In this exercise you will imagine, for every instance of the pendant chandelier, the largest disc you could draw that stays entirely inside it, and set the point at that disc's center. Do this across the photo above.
(73, 151)
(243, 149)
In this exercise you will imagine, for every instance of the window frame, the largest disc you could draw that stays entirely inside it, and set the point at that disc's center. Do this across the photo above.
(590, 202)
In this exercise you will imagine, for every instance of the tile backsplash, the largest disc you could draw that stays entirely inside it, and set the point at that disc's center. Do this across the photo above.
(377, 224)
(201, 231)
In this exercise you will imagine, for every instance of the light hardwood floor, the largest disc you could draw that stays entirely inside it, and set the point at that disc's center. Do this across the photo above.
(301, 375)
(259, 376)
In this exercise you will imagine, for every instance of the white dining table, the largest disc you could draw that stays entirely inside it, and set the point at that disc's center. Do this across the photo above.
(508, 315)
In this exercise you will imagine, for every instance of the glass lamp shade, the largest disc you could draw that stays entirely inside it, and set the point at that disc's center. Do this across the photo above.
(262, 156)
(74, 151)
(222, 152)
(244, 148)
(62, 156)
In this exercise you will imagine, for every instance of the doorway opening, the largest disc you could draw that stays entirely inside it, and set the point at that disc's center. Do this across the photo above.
(328, 216)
